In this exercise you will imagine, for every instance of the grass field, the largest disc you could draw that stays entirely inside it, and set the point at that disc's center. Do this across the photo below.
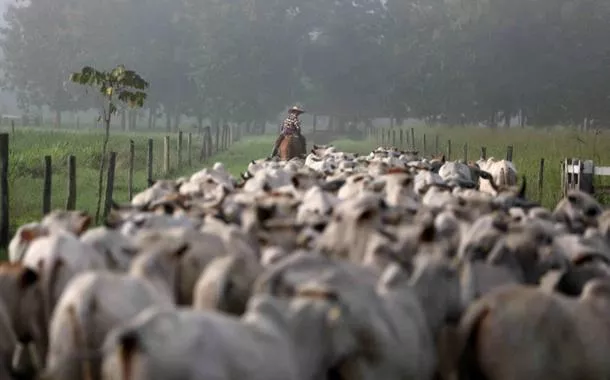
(29, 146)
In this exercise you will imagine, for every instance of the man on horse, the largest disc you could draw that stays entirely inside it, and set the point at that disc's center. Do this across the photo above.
(290, 126)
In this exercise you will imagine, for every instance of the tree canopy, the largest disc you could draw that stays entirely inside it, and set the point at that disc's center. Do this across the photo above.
(454, 61)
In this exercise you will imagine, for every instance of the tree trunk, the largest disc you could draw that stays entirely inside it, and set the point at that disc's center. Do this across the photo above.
(100, 181)
(133, 119)
(492, 120)
(176, 121)
(168, 121)
(123, 120)
(151, 112)
(57, 119)
(216, 125)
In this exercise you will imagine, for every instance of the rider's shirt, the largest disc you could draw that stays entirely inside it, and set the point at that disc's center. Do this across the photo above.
(291, 125)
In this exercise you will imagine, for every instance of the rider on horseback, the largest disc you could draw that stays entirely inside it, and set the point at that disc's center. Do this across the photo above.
(290, 126)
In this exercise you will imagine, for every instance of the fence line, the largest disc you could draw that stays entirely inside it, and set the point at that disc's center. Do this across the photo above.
(224, 138)
(210, 144)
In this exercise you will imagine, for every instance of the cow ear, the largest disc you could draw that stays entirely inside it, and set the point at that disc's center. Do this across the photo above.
(500, 224)
(428, 233)
(264, 213)
(113, 220)
(27, 278)
(295, 181)
(182, 250)
(262, 240)
(84, 220)
(29, 234)
(366, 215)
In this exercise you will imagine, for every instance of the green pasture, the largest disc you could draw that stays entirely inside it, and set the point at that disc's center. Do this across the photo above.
(29, 146)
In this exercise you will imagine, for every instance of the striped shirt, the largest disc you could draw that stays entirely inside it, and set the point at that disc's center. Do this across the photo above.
(291, 125)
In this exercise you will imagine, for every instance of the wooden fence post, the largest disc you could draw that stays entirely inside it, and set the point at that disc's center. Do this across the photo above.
(448, 150)
(179, 165)
(424, 148)
(132, 154)
(149, 163)
(189, 149)
(209, 143)
(4, 212)
(466, 152)
(401, 138)
(204, 142)
(413, 138)
(217, 148)
(483, 153)
(509, 153)
(109, 183)
(540, 180)
(71, 201)
(46, 189)
(223, 132)
(166, 155)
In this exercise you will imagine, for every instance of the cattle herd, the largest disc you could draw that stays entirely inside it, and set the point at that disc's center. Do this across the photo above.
(335, 266)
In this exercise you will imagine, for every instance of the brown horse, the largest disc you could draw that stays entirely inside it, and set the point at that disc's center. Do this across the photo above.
(292, 146)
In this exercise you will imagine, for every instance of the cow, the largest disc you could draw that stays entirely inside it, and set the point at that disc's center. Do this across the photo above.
(91, 305)
(521, 331)
(503, 173)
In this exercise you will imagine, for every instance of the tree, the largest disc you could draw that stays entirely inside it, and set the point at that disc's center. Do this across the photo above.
(115, 86)
(41, 45)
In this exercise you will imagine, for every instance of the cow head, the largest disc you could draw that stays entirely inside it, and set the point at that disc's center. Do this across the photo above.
(578, 210)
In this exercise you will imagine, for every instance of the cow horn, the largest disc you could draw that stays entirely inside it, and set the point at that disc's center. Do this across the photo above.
(587, 257)
(320, 292)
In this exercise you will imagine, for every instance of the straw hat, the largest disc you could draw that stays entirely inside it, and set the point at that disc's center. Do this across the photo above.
(296, 109)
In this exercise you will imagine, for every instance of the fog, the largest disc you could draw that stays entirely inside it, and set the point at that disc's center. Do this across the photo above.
(348, 63)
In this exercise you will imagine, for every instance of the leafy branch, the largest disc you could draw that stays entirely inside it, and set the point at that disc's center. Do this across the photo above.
(117, 86)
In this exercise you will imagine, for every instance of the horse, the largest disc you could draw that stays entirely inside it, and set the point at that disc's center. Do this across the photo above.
(292, 146)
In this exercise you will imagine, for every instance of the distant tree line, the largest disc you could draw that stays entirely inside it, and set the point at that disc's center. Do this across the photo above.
(243, 61)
